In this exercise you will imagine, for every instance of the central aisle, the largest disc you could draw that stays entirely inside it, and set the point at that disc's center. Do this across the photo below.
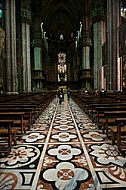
(65, 163)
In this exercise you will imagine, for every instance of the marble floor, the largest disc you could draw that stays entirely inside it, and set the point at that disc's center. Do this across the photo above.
(63, 150)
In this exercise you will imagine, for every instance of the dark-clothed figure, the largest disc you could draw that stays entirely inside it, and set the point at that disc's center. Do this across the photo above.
(61, 97)
(102, 93)
(58, 93)
(68, 94)
(62, 92)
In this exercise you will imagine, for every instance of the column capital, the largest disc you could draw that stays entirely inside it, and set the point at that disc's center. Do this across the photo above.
(86, 38)
(98, 10)
(25, 11)
(37, 39)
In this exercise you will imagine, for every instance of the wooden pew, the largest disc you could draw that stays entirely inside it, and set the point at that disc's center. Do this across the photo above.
(17, 117)
(118, 131)
(101, 110)
(84, 102)
(8, 130)
(33, 109)
(90, 106)
(92, 111)
(110, 118)
(28, 113)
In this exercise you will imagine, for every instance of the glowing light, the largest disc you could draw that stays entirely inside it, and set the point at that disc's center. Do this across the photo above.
(0, 13)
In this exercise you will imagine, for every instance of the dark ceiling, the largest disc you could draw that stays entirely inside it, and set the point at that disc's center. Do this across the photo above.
(62, 16)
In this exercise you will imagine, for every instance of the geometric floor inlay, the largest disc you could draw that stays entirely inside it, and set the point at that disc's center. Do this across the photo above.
(63, 150)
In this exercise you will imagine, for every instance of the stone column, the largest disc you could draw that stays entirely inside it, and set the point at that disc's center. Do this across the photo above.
(86, 43)
(2, 58)
(98, 41)
(76, 66)
(86, 58)
(26, 19)
(37, 44)
(69, 67)
(68, 72)
(10, 51)
(85, 54)
(113, 11)
(24, 60)
(28, 58)
(99, 38)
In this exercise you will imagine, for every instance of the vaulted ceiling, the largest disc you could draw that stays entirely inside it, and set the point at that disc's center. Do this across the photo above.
(62, 15)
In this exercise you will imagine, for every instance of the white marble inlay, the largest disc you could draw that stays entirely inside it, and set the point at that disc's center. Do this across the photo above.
(33, 137)
(63, 127)
(64, 137)
(28, 177)
(64, 152)
(95, 136)
(20, 156)
(65, 175)
(107, 154)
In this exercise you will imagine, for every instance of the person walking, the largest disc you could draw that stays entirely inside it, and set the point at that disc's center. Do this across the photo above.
(68, 94)
(61, 97)
(102, 93)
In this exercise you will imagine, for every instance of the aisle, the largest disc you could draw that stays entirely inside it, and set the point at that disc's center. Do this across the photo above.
(63, 150)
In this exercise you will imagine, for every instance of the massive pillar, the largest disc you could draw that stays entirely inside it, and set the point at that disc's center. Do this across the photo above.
(2, 59)
(76, 66)
(69, 65)
(69, 73)
(38, 36)
(85, 54)
(10, 51)
(25, 41)
(113, 11)
(99, 38)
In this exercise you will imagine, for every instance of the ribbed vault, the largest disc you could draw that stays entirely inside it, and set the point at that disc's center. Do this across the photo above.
(62, 16)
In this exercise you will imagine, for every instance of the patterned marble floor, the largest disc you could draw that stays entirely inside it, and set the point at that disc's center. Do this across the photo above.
(63, 150)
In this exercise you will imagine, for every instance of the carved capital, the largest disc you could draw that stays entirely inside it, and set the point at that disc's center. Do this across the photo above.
(37, 39)
(98, 10)
(25, 11)
(86, 38)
